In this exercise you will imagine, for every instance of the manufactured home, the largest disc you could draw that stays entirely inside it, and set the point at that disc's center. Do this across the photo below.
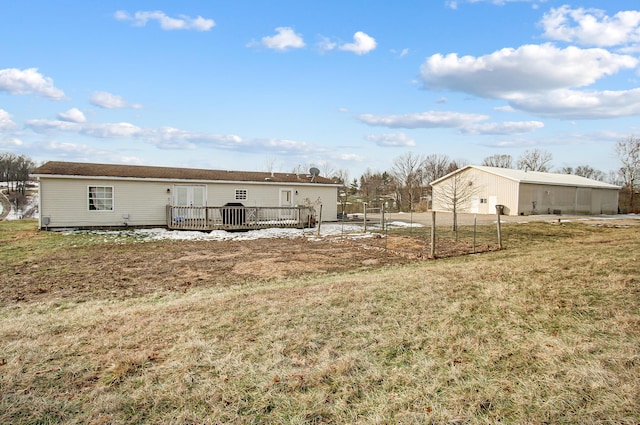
(479, 189)
(86, 195)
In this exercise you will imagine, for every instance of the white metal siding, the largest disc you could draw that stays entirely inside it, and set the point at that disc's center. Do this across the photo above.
(490, 187)
(567, 199)
(531, 198)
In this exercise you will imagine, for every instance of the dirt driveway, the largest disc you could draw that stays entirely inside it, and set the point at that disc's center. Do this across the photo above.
(465, 219)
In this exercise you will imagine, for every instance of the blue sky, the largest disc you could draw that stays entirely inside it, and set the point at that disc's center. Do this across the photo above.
(351, 85)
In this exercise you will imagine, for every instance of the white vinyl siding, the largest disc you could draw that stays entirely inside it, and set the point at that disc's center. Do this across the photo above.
(143, 203)
(138, 204)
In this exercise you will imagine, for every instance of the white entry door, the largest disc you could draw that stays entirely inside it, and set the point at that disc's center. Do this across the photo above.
(286, 200)
(475, 205)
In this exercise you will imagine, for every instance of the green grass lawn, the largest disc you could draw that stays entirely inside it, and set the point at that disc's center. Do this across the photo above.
(545, 331)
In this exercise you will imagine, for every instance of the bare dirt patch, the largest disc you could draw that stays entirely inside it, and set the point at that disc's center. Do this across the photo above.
(128, 270)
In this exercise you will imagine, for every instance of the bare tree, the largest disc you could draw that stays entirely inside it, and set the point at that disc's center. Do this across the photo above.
(435, 166)
(271, 164)
(498, 160)
(339, 175)
(15, 171)
(628, 152)
(374, 187)
(535, 160)
(584, 171)
(455, 194)
(408, 173)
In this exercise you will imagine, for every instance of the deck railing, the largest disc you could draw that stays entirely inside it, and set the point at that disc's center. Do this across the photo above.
(238, 217)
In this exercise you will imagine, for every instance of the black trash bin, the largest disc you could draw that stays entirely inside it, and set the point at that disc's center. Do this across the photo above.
(233, 214)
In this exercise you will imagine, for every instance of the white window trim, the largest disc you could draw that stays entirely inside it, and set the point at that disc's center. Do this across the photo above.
(113, 199)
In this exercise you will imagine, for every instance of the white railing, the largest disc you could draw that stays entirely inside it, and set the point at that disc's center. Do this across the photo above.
(238, 217)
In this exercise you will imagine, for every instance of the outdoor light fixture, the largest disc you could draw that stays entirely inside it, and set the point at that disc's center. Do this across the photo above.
(168, 190)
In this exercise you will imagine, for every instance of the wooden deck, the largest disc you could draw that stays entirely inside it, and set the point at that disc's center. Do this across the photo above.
(238, 218)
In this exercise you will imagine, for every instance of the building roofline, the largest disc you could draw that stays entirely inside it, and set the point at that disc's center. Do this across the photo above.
(60, 169)
(535, 177)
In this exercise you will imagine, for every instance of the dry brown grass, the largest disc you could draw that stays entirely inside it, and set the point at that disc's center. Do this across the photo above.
(547, 331)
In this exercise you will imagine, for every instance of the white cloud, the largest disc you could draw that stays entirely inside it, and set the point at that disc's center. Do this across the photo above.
(465, 123)
(516, 73)
(5, 121)
(592, 26)
(111, 130)
(72, 115)
(282, 146)
(429, 119)
(174, 138)
(82, 153)
(540, 79)
(362, 44)
(454, 4)
(106, 100)
(66, 148)
(285, 39)
(326, 44)
(45, 126)
(573, 104)
(402, 53)
(507, 127)
(28, 81)
(168, 23)
(391, 140)
(107, 130)
(10, 142)
(349, 157)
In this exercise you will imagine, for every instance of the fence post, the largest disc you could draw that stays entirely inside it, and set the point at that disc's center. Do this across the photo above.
(364, 205)
(433, 235)
(319, 219)
(475, 229)
(499, 229)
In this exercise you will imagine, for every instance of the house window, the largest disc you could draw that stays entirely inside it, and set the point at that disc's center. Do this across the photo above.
(483, 200)
(100, 198)
(241, 194)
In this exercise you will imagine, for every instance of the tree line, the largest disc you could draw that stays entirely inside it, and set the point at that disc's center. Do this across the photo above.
(406, 186)
(15, 171)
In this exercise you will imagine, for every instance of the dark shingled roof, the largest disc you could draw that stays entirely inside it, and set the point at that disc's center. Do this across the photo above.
(59, 168)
